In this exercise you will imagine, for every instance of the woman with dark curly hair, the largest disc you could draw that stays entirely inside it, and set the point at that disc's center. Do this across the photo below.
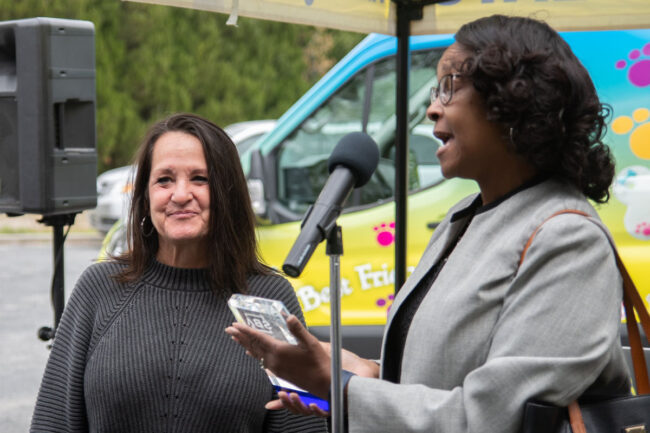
(513, 300)
(141, 347)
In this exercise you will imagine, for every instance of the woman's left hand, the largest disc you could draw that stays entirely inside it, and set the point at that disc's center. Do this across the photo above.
(306, 364)
(292, 402)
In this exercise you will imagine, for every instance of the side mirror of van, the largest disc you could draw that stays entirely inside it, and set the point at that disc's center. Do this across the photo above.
(256, 192)
(256, 184)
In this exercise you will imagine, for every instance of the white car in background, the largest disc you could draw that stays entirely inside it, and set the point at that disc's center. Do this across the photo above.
(114, 186)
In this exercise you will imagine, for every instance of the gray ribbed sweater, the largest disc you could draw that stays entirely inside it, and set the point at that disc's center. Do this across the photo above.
(153, 357)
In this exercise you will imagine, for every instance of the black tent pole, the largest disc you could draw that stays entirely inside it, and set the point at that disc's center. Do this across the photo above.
(402, 140)
(407, 11)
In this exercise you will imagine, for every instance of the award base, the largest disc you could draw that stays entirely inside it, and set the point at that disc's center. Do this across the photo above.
(265, 315)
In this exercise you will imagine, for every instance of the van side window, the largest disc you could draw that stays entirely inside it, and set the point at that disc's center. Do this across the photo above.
(365, 103)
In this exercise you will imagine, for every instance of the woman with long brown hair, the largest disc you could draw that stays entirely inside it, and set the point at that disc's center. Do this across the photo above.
(140, 346)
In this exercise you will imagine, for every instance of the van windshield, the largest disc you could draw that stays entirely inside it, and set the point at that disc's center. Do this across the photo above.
(365, 103)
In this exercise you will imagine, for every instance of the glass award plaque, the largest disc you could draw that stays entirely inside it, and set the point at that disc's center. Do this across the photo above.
(269, 316)
(266, 315)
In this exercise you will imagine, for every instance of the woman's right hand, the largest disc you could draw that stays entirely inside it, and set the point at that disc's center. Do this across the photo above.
(306, 364)
(349, 360)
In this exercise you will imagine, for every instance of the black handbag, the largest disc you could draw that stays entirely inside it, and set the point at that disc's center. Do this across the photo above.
(618, 415)
(629, 414)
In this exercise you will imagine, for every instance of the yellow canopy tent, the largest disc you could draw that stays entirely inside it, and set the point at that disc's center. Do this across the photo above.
(379, 16)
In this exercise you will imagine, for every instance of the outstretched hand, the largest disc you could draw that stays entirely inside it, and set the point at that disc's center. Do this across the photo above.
(292, 402)
(306, 364)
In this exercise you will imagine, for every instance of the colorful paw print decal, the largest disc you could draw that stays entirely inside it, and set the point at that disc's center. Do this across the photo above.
(385, 302)
(632, 188)
(638, 71)
(385, 234)
(643, 230)
(639, 124)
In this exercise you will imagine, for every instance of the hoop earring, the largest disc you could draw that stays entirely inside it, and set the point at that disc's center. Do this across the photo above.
(145, 234)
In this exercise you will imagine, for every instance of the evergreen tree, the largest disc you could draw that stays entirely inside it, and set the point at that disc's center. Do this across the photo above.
(155, 60)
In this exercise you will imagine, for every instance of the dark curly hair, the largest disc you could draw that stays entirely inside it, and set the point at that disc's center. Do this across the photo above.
(539, 91)
(232, 236)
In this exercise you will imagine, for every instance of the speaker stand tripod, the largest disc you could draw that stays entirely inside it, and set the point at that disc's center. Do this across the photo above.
(57, 291)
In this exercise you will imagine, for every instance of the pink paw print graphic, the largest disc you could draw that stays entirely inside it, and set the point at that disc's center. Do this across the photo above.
(639, 71)
(385, 302)
(643, 229)
(385, 234)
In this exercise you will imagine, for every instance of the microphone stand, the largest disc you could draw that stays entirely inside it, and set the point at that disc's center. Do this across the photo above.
(348, 170)
(334, 249)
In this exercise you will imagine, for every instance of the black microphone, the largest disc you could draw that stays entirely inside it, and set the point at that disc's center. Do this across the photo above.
(352, 162)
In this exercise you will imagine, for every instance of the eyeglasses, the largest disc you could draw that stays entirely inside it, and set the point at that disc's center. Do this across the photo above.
(445, 89)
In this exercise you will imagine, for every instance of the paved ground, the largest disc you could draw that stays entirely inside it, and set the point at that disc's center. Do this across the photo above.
(27, 227)
(25, 278)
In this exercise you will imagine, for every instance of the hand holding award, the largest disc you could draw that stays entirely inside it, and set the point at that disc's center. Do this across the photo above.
(286, 350)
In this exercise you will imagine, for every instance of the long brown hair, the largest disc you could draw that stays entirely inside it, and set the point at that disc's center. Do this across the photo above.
(231, 234)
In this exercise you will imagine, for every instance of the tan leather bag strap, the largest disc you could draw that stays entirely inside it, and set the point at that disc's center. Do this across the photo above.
(530, 239)
(632, 301)
(575, 418)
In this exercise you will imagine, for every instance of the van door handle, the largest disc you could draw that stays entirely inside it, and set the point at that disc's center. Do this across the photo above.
(433, 224)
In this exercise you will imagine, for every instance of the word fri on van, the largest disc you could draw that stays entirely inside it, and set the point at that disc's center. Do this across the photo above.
(311, 298)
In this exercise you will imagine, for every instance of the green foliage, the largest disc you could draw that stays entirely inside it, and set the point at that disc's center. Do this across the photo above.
(155, 60)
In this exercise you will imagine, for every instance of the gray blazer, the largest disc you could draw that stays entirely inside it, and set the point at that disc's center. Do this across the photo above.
(490, 335)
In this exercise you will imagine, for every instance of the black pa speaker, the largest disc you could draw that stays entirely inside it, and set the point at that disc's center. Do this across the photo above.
(48, 157)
